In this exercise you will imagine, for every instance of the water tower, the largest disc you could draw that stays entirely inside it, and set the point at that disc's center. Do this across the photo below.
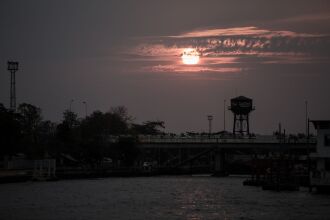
(241, 107)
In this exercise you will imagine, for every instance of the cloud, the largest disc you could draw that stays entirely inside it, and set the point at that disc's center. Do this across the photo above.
(241, 31)
(227, 50)
(190, 69)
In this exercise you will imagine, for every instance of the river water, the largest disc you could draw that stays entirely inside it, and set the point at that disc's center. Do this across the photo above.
(174, 197)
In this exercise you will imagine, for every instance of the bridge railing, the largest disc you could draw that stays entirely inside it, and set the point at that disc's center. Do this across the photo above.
(206, 139)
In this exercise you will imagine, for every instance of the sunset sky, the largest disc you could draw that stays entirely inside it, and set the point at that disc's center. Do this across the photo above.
(111, 53)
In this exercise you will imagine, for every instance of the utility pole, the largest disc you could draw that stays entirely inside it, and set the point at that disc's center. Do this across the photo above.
(12, 67)
(307, 142)
(306, 117)
(280, 131)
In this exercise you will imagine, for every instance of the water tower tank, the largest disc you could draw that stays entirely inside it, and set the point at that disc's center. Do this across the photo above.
(241, 105)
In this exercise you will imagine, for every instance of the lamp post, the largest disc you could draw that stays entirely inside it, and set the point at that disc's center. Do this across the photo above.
(12, 67)
(224, 115)
(210, 118)
(85, 103)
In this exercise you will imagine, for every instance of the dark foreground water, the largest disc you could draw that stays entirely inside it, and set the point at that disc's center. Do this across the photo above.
(179, 197)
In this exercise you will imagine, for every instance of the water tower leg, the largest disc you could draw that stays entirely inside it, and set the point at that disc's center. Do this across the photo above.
(234, 126)
(241, 124)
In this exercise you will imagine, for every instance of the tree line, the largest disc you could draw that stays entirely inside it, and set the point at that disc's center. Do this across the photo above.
(85, 139)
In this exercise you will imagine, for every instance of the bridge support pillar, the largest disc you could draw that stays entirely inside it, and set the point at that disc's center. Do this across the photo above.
(219, 163)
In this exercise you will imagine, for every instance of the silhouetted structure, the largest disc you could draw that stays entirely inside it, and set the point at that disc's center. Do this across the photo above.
(241, 107)
(210, 118)
(320, 169)
(12, 67)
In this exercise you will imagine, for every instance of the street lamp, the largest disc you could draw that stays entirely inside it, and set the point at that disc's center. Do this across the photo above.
(210, 118)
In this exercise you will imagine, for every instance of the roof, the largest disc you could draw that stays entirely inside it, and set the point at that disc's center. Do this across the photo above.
(241, 98)
(321, 124)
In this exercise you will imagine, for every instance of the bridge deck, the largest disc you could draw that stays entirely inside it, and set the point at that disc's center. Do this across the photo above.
(266, 142)
(271, 140)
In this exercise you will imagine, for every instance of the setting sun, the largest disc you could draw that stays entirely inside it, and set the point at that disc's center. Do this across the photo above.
(190, 56)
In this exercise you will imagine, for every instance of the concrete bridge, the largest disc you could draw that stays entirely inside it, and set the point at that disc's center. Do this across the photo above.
(212, 152)
(176, 152)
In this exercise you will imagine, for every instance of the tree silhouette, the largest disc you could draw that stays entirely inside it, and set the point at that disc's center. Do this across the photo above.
(86, 140)
(30, 119)
(148, 128)
(10, 132)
